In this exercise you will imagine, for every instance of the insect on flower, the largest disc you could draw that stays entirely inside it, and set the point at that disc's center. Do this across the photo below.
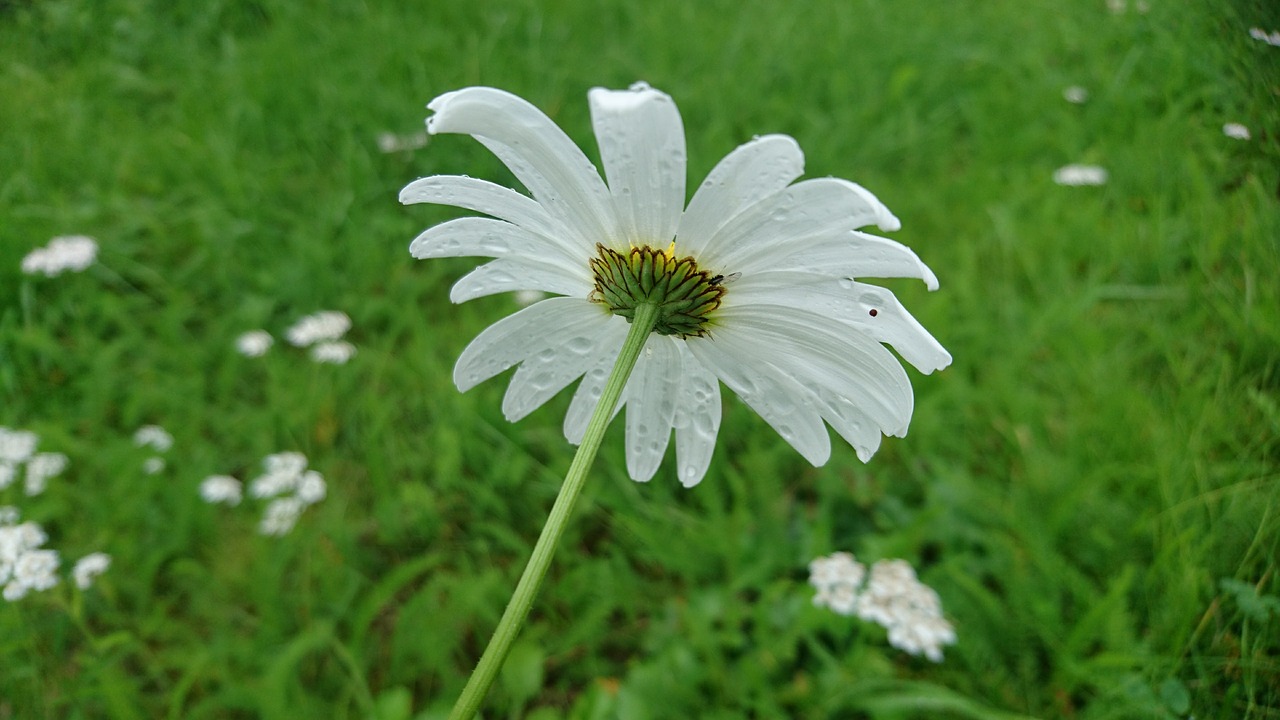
(755, 283)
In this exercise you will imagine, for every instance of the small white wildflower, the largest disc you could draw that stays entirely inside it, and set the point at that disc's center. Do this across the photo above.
(16, 445)
(89, 567)
(311, 488)
(324, 325)
(16, 540)
(925, 636)
(390, 142)
(336, 352)
(220, 489)
(8, 515)
(71, 252)
(153, 436)
(1271, 38)
(280, 516)
(1075, 95)
(1077, 175)
(33, 570)
(153, 465)
(1236, 131)
(525, 298)
(273, 484)
(836, 578)
(40, 468)
(8, 473)
(254, 343)
(284, 473)
(1116, 6)
(285, 463)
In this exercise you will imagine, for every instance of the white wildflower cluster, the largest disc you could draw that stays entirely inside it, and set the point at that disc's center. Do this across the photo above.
(220, 489)
(67, 253)
(1271, 38)
(89, 567)
(1075, 95)
(24, 564)
(391, 143)
(1079, 175)
(287, 484)
(891, 597)
(323, 332)
(18, 447)
(254, 343)
(156, 438)
(1236, 131)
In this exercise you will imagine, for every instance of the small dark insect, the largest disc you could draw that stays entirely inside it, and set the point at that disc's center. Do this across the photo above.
(718, 279)
(873, 312)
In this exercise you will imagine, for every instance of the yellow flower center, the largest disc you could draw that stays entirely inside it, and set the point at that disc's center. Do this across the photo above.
(685, 296)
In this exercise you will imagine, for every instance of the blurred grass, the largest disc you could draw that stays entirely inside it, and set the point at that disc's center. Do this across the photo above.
(1102, 455)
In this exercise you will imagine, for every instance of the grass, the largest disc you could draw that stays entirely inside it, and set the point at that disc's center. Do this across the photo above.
(1092, 487)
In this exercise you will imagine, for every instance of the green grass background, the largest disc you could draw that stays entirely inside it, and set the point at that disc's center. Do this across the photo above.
(1091, 487)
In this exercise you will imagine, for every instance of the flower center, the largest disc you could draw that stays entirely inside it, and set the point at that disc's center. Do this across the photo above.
(685, 296)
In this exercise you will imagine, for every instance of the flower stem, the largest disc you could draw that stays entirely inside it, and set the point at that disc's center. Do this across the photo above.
(513, 618)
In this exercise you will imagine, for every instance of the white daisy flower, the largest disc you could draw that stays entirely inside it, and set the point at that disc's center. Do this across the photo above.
(321, 326)
(89, 567)
(1080, 175)
(1236, 131)
(220, 489)
(67, 253)
(153, 465)
(754, 280)
(336, 352)
(254, 343)
(8, 515)
(153, 436)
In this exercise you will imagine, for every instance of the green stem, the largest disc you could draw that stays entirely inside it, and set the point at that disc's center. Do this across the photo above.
(482, 677)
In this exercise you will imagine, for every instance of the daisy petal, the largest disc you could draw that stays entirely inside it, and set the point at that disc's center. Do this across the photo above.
(651, 405)
(484, 197)
(781, 401)
(589, 390)
(536, 151)
(749, 174)
(859, 255)
(788, 220)
(520, 335)
(868, 308)
(511, 274)
(855, 426)
(641, 143)
(820, 357)
(485, 237)
(540, 377)
(697, 419)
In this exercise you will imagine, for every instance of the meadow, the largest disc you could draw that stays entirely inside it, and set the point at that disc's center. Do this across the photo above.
(1092, 488)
